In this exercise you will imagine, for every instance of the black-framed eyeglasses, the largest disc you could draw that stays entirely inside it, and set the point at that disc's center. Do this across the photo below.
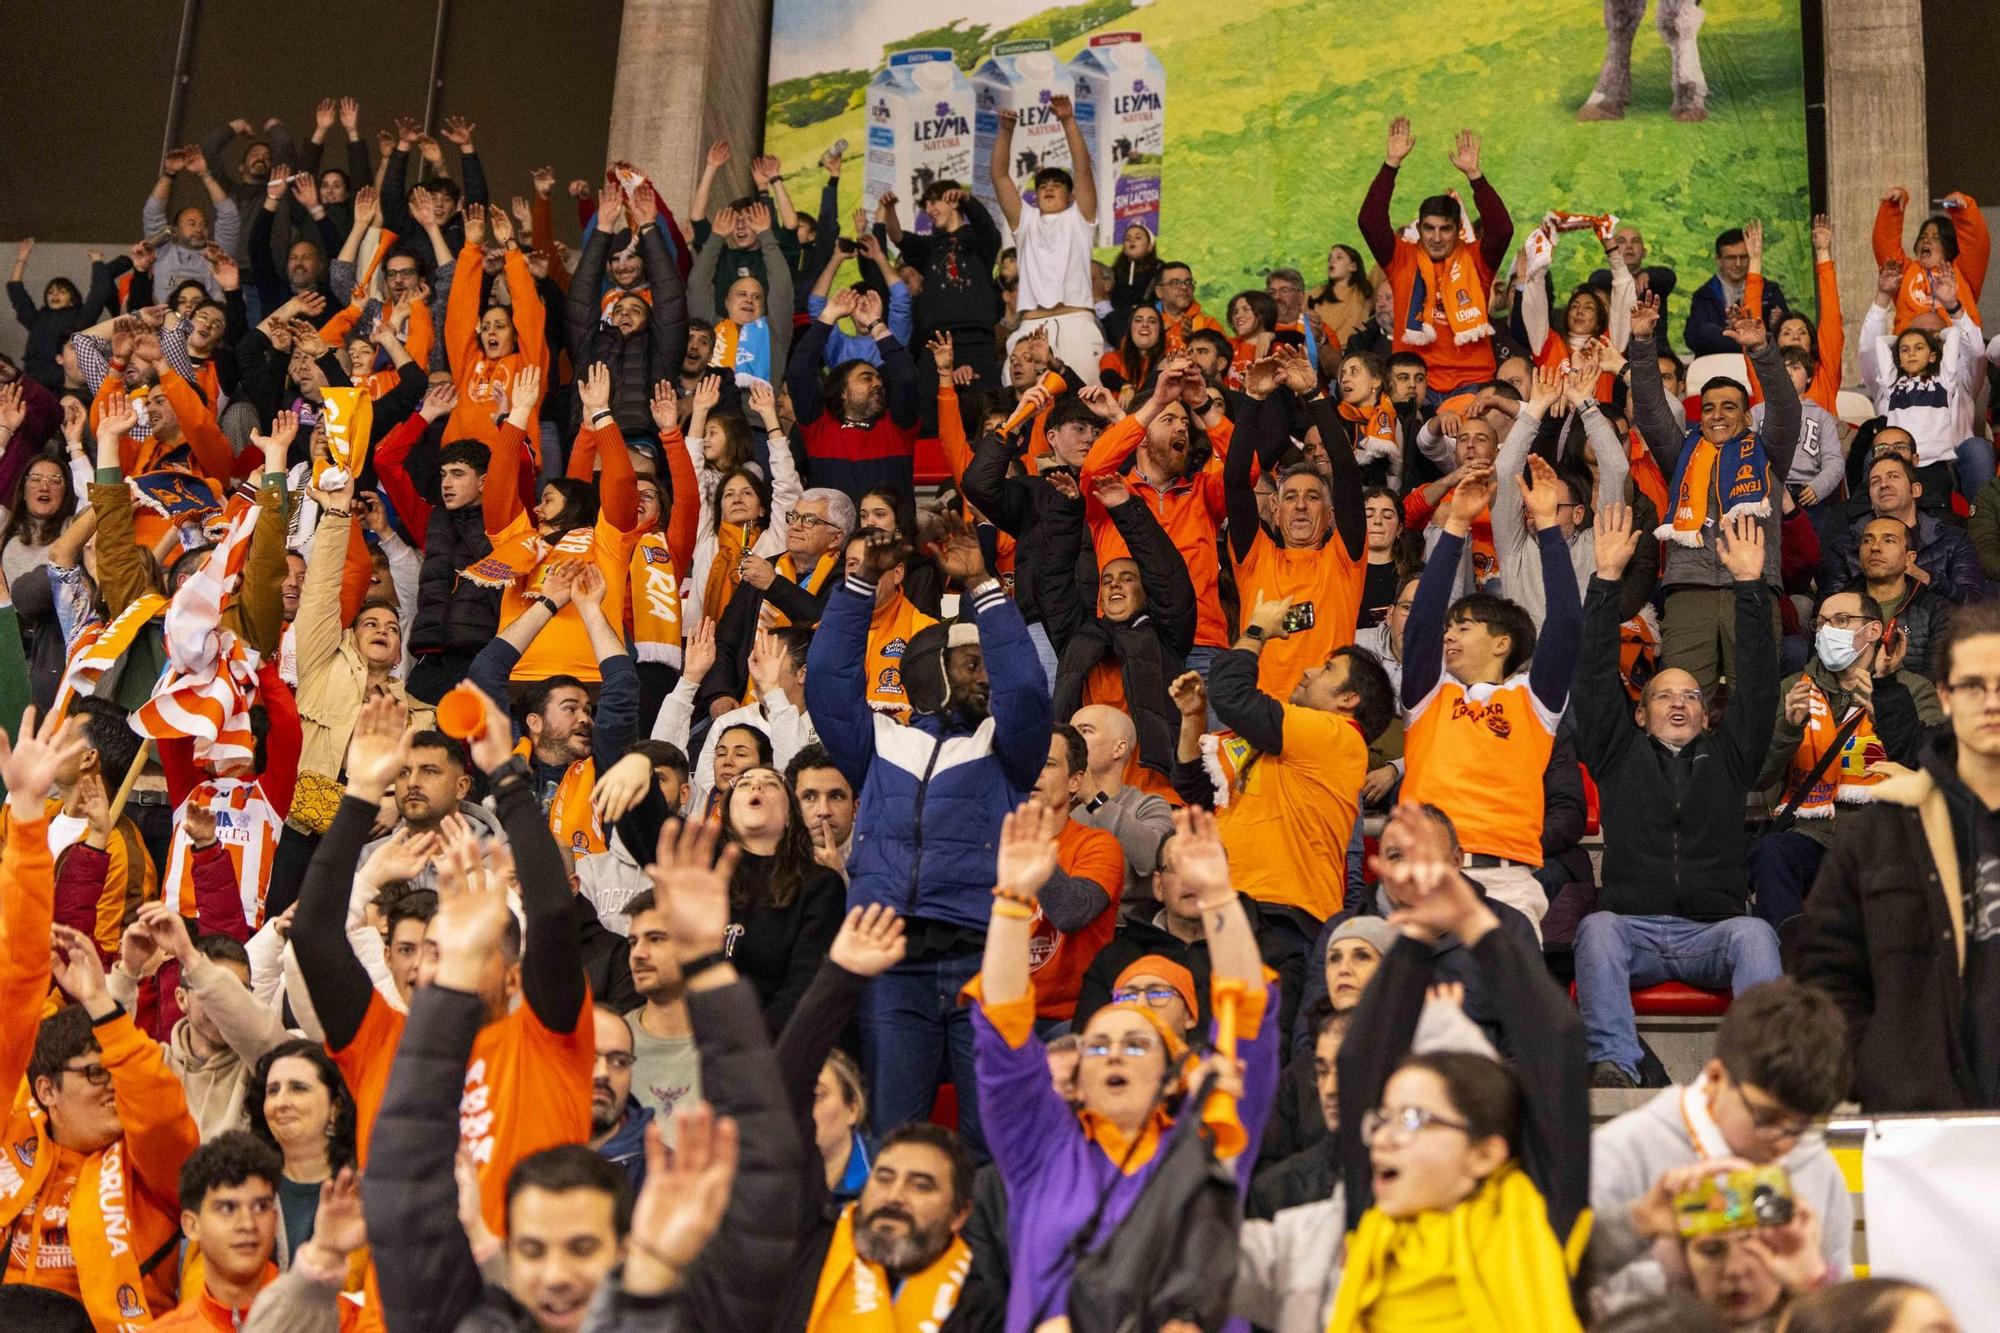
(1405, 1123)
(402, 272)
(798, 520)
(98, 1075)
(1768, 1118)
(1972, 689)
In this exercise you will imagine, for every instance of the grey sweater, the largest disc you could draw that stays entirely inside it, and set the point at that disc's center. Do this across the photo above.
(1142, 823)
(1630, 1153)
(1519, 554)
(1699, 566)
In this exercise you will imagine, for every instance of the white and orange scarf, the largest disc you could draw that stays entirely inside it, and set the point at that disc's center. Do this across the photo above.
(655, 601)
(1855, 770)
(211, 676)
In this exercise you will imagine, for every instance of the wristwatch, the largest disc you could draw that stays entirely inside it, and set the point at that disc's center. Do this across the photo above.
(694, 966)
(1254, 632)
(547, 601)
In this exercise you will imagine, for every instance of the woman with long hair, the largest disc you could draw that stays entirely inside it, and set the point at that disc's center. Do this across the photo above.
(1344, 302)
(297, 1102)
(44, 499)
(785, 907)
(1127, 369)
(1135, 278)
(743, 511)
(889, 508)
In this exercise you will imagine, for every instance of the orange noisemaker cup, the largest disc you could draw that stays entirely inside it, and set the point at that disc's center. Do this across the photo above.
(461, 714)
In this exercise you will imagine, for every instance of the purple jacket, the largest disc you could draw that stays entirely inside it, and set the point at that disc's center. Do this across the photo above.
(1054, 1173)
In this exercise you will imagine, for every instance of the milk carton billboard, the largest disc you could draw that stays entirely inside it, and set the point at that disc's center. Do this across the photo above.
(1121, 104)
(1023, 77)
(919, 111)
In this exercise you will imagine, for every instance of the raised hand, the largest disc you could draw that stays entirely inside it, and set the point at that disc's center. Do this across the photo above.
(1822, 236)
(666, 405)
(1615, 541)
(940, 348)
(1745, 329)
(579, 188)
(760, 218)
(683, 1200)
(870, 941)
(587, 592)
(1888, 281)
(868, 311)
(764, 170)
(1064, 107)
(1296, 368)
(958, 553)
(306, 190)
(523, 219)
(1539, 493)
(1261, 378)
(764, 402)
(691, 883)
(379, 747)
(458, 130)
(593, 387)
(1545, 390)
(429, 148)
(1199, 859)
(1470, 498)
(439, 400)
(173, 162)
(197, 161)
(698, 654)
(475, 226)
(499, 224)
(1739, 541)
(1753, 241)
(644, 207)
(278, 442)
(75, 418)
(1401, 141)
(1190, 694)
(1646, 315)
(1944, 288)
(1027, 855)
(74, 965)
(323, 115)
(1465, 154)
(367, 207)
(718, 154)
(350, 116)
(1110, 490)
(116, 417)
(839, 305)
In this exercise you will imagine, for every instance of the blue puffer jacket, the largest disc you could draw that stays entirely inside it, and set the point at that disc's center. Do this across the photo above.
(932, 793)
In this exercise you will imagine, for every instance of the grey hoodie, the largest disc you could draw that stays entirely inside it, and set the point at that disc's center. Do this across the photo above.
(484, 825)
(1630, 1153)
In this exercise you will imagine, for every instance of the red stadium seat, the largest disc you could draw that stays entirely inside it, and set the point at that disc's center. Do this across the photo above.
(1670, 999)
(944, 1111)
(1590, 802)
(931, 469)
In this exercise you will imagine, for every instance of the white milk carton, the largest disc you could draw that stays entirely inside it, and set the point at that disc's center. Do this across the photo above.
(1023, 77)
(919, 130)
(1121, 108)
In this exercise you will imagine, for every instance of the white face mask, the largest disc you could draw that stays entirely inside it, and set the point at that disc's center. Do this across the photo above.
(1835, 648)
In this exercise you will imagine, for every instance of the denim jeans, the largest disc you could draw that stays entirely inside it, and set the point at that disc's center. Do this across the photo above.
(1615, 953)
(911, 1024)
(1975, 466)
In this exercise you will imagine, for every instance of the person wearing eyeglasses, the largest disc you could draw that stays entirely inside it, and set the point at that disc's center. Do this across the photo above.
(1902, 927)
(1060, 1166)
(105, 1129)
(1856, 676)
(1675, 900)
(617, 1119)
(1436, 1149)
(1779, 1067)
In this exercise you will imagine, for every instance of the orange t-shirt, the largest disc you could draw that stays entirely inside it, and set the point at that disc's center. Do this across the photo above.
(526, 1089)
(563, 646)
(1287, 827)
(1056, 958)
(1328, 577)
(1479, 756)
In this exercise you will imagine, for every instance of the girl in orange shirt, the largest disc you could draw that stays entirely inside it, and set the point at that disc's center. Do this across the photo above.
(488, 348)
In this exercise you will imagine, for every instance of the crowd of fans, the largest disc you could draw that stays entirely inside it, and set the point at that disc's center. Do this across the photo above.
(520, 814)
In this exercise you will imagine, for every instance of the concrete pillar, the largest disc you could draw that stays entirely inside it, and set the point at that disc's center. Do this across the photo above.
(1875, 132)
(690, 72)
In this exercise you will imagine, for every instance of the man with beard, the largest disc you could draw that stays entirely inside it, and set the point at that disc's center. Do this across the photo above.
(1163, 452)
(274, 152)
(860, 429)
(182, 254)
(899, 1242)
(617, 1120)
(431, 789)
(826, 799)
(972, 750)
(666, 1069)
(1317, 555)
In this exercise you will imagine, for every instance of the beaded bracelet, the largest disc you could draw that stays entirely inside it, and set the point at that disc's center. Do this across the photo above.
(1014, 897)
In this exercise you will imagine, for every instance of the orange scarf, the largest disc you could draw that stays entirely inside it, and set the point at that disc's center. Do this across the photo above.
(1376, 433)
(773, 618)
(571, 819)
(1453, 287)
(526, 552)
(655, 601)
(890, 630)
(1847, 778)
(101, 646)
(856, 1296)
(725, 571)
(100, 1219)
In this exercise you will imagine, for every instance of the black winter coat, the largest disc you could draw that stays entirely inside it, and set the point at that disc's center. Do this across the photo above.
(454, 614)
(637, 360)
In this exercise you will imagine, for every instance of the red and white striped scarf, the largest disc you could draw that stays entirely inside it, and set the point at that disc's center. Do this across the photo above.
(211, 676)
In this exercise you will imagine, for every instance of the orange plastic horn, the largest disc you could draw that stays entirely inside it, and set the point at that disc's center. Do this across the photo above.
(461, 714)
